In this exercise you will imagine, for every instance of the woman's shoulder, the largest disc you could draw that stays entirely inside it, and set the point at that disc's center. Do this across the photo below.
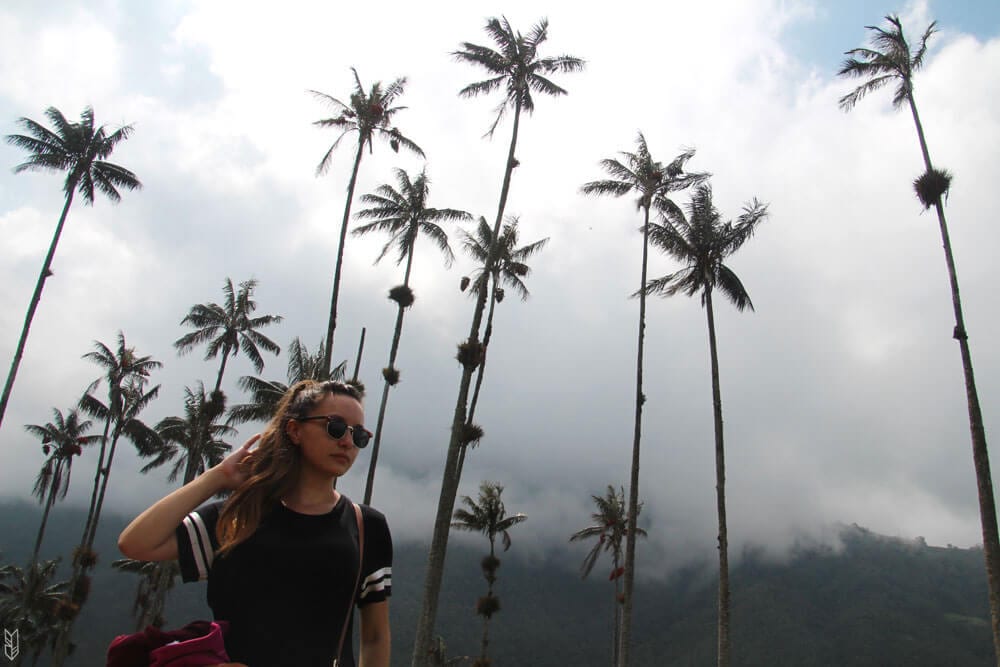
(371, 514)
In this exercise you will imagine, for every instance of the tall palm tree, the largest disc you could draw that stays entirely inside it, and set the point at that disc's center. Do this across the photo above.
(229, 328)
(80, 150)
(509, 269)
(488, 516)
(124, 419)
(62, 439)
(891, 61)
(32, 604)
(653, 182)
(516, 68)
(702, 241)
(404, 215)
(610, 528)
(369, 114)
(126, 374)
(266, 394)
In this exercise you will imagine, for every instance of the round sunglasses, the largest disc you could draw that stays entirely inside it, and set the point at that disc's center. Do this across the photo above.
(336, 427)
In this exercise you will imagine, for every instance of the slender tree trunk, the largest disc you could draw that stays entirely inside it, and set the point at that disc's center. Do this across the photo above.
(45, 519)
(479, 376)
(720, 489)
(393, 349)
(485, 642)
(222, 367)
(35, 298)
(112, 399)
(357, 361)
(624, 653)
(422, 644)
(332, 325)
(487, 334)
(61, 645)
(980, 452)
(104, 488)
(616, 628)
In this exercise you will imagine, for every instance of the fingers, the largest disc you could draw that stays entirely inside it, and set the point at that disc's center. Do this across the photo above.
(249, 443)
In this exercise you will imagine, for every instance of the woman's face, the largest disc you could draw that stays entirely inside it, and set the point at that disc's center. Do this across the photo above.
(319, 450)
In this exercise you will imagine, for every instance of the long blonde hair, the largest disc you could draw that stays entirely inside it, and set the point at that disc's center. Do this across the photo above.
(274, 464)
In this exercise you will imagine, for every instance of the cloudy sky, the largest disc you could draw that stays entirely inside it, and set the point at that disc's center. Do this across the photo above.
(843, 392)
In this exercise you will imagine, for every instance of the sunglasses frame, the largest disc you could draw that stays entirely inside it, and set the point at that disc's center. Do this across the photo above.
(336, 419)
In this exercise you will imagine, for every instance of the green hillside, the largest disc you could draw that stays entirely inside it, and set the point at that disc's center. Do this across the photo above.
(879, 601)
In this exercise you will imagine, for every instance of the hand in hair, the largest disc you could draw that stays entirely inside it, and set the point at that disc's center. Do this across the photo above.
(234, 469)
(151, 537)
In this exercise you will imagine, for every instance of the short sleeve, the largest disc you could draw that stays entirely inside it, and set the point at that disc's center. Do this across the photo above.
(197, 543)
(376, 577)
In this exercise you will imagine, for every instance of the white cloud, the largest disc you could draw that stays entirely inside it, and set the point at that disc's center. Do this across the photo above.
(843, 393)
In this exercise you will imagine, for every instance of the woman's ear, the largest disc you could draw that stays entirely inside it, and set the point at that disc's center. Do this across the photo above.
(292, 430)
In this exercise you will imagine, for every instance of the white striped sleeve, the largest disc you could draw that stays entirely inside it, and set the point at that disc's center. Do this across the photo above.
(379, 581)
(376, 582)
(196, 543)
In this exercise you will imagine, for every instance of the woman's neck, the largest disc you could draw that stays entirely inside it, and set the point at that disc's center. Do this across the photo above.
(313, 492)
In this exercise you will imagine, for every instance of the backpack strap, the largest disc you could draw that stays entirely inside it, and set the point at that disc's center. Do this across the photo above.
(357, 581)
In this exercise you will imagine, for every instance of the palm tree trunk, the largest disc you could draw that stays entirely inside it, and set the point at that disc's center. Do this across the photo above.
(485, 642)
(479, 375)
(104, 488)
(61, 650)
(35, 298)
(980, 453)
(487, 334)
(616, 628)
(720, 489)
(222, 367)
(449, 484)
(332, 325)
(99, 472)
(393, 349)
(357, 361)
(633, 492)
(45, 519)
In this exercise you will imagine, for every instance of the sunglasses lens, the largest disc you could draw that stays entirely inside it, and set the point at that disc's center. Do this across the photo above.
(336, 428)
(361, 438)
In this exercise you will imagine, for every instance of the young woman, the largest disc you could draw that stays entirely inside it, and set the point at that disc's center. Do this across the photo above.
(281, 554)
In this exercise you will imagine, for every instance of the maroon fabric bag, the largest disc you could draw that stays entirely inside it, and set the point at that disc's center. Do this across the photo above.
(197, 644)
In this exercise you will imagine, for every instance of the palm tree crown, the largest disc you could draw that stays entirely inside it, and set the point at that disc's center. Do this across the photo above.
(510, 266)
(369, 114)
(702, 240)
(122, 366)
(229, 328)
(403, 214)
(610, 527)
(62, 439)
(196, 436)
(78, 149)
(639, 173)
(487, 515)
(890, 61)
(515, 66)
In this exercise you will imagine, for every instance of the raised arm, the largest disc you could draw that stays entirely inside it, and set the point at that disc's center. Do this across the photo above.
(151, 536)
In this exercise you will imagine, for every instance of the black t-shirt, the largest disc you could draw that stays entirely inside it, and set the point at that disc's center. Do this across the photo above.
(285, 590)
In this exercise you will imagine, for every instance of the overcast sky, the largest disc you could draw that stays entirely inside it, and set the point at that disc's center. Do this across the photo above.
(842, 393)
